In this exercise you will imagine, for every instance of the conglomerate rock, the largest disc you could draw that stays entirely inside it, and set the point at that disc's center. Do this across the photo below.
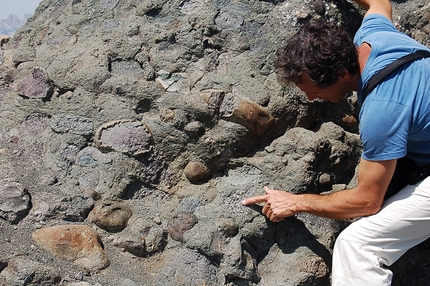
(172, 108)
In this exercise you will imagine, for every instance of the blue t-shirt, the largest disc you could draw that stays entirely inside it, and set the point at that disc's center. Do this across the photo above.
(395, 116)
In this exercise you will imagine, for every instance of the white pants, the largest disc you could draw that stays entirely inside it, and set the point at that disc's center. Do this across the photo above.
(364, 248)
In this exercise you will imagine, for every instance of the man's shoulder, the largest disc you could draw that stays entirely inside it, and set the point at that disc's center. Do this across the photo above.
(377, 18)
(371, 24)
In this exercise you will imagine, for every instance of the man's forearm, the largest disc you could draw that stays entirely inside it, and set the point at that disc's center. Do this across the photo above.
(365, 199)
(340, 205)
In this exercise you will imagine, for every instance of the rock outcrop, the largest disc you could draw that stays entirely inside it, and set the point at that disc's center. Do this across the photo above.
(144, 124)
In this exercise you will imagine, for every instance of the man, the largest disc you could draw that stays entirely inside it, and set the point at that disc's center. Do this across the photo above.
(394, 122)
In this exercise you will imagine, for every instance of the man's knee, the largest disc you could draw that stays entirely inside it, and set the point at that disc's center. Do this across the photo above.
(347, 237)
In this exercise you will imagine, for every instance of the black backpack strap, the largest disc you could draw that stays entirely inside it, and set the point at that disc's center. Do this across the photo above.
(380, 75)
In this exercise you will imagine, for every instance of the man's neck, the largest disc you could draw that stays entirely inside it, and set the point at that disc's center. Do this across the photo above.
(353, 81)
(363, 55)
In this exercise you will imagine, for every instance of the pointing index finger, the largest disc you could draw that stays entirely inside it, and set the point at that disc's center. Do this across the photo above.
(254, 200)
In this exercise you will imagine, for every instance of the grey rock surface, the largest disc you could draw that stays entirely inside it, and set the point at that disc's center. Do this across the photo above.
(149, 122)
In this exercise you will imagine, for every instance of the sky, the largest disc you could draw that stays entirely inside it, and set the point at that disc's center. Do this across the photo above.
(17, 7)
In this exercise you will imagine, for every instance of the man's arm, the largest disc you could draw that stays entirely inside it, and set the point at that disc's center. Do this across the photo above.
(382, 7)
(365, 199)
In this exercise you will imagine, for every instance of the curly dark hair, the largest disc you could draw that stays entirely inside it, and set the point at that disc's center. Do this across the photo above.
(320, 50)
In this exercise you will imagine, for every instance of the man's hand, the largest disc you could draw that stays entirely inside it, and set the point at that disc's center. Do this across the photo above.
(278, 204)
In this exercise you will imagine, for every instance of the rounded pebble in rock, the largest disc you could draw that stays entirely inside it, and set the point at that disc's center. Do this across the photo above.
(77, 243)
(89, 157)
(314, 265)
(66, 123)
(325, 179)
(132, 244)
(111, 216)
(350, 121)
(179, 224)
(194, 128)
(228, 226)
(93, 194)
(195, 171)
(36, 85)
(125, 136)
(15, 202)
(247, 113)
(426, 29)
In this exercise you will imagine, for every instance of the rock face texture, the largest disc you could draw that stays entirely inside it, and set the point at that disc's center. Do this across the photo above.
(137, 127)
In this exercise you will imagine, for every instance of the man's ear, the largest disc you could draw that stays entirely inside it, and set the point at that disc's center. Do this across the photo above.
(344, 74)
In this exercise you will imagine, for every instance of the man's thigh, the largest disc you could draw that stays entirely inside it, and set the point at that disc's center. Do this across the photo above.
(402, 222)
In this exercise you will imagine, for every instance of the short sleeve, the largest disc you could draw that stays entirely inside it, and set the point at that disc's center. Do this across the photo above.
(384, 133)
(373, 23)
